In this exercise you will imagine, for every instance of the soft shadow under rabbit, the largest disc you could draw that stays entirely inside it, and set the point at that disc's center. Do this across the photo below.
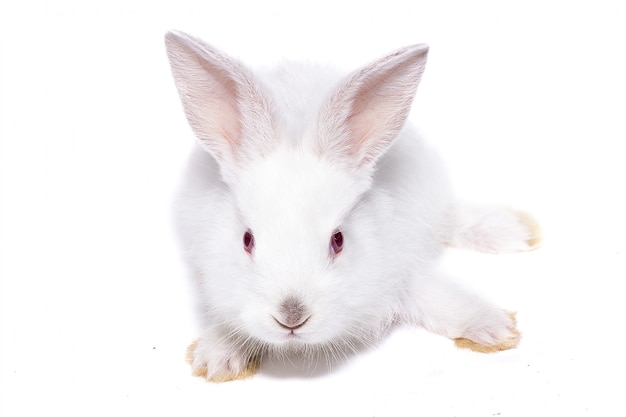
(313, 215)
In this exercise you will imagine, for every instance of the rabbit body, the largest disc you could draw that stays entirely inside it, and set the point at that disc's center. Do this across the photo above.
(313, 216)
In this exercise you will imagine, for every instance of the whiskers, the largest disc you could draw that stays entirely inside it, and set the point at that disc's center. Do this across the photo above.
(255, 349)
(326, 357)
(298, 357)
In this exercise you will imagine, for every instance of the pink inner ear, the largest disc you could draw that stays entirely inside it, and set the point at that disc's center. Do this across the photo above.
(364, 129)
(378, 111)
(225, 106)
(367, 112)
(208, 85)
(359, 126)
(218, 105)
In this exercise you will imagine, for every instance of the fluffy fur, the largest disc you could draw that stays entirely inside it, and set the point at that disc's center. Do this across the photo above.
(294, 156)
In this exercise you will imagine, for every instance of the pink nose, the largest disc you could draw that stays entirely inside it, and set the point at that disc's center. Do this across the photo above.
(293, 314)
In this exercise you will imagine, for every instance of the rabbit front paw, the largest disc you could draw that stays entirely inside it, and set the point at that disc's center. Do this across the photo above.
(499, 334)
(220, 364)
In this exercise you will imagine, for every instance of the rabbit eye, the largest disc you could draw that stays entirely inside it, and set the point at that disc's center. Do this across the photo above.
(336, 242)
(248, 241)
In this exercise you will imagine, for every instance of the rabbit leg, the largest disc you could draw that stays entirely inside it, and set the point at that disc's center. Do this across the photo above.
(218, 359)
(493, 229)
(447, 309)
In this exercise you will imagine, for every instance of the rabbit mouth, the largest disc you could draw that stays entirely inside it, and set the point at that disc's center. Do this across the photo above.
(291, 325)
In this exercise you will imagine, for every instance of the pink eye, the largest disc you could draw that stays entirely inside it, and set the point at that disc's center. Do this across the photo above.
(336, 242)
(248, 241)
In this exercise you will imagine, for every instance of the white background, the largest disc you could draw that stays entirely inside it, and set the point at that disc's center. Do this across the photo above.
(527, 104)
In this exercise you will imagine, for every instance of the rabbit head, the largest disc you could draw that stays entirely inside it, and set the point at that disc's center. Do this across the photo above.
(289, 242)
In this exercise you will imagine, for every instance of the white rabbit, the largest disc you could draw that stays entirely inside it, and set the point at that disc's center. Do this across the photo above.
(313, 216)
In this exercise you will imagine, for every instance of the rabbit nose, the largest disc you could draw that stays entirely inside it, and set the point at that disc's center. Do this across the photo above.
(293, 314)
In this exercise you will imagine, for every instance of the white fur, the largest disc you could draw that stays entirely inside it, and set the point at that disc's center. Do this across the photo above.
(294, 155)
(491, 229)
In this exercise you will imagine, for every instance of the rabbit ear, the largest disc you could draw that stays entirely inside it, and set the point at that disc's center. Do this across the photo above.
(223, 103)
(362, 118)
